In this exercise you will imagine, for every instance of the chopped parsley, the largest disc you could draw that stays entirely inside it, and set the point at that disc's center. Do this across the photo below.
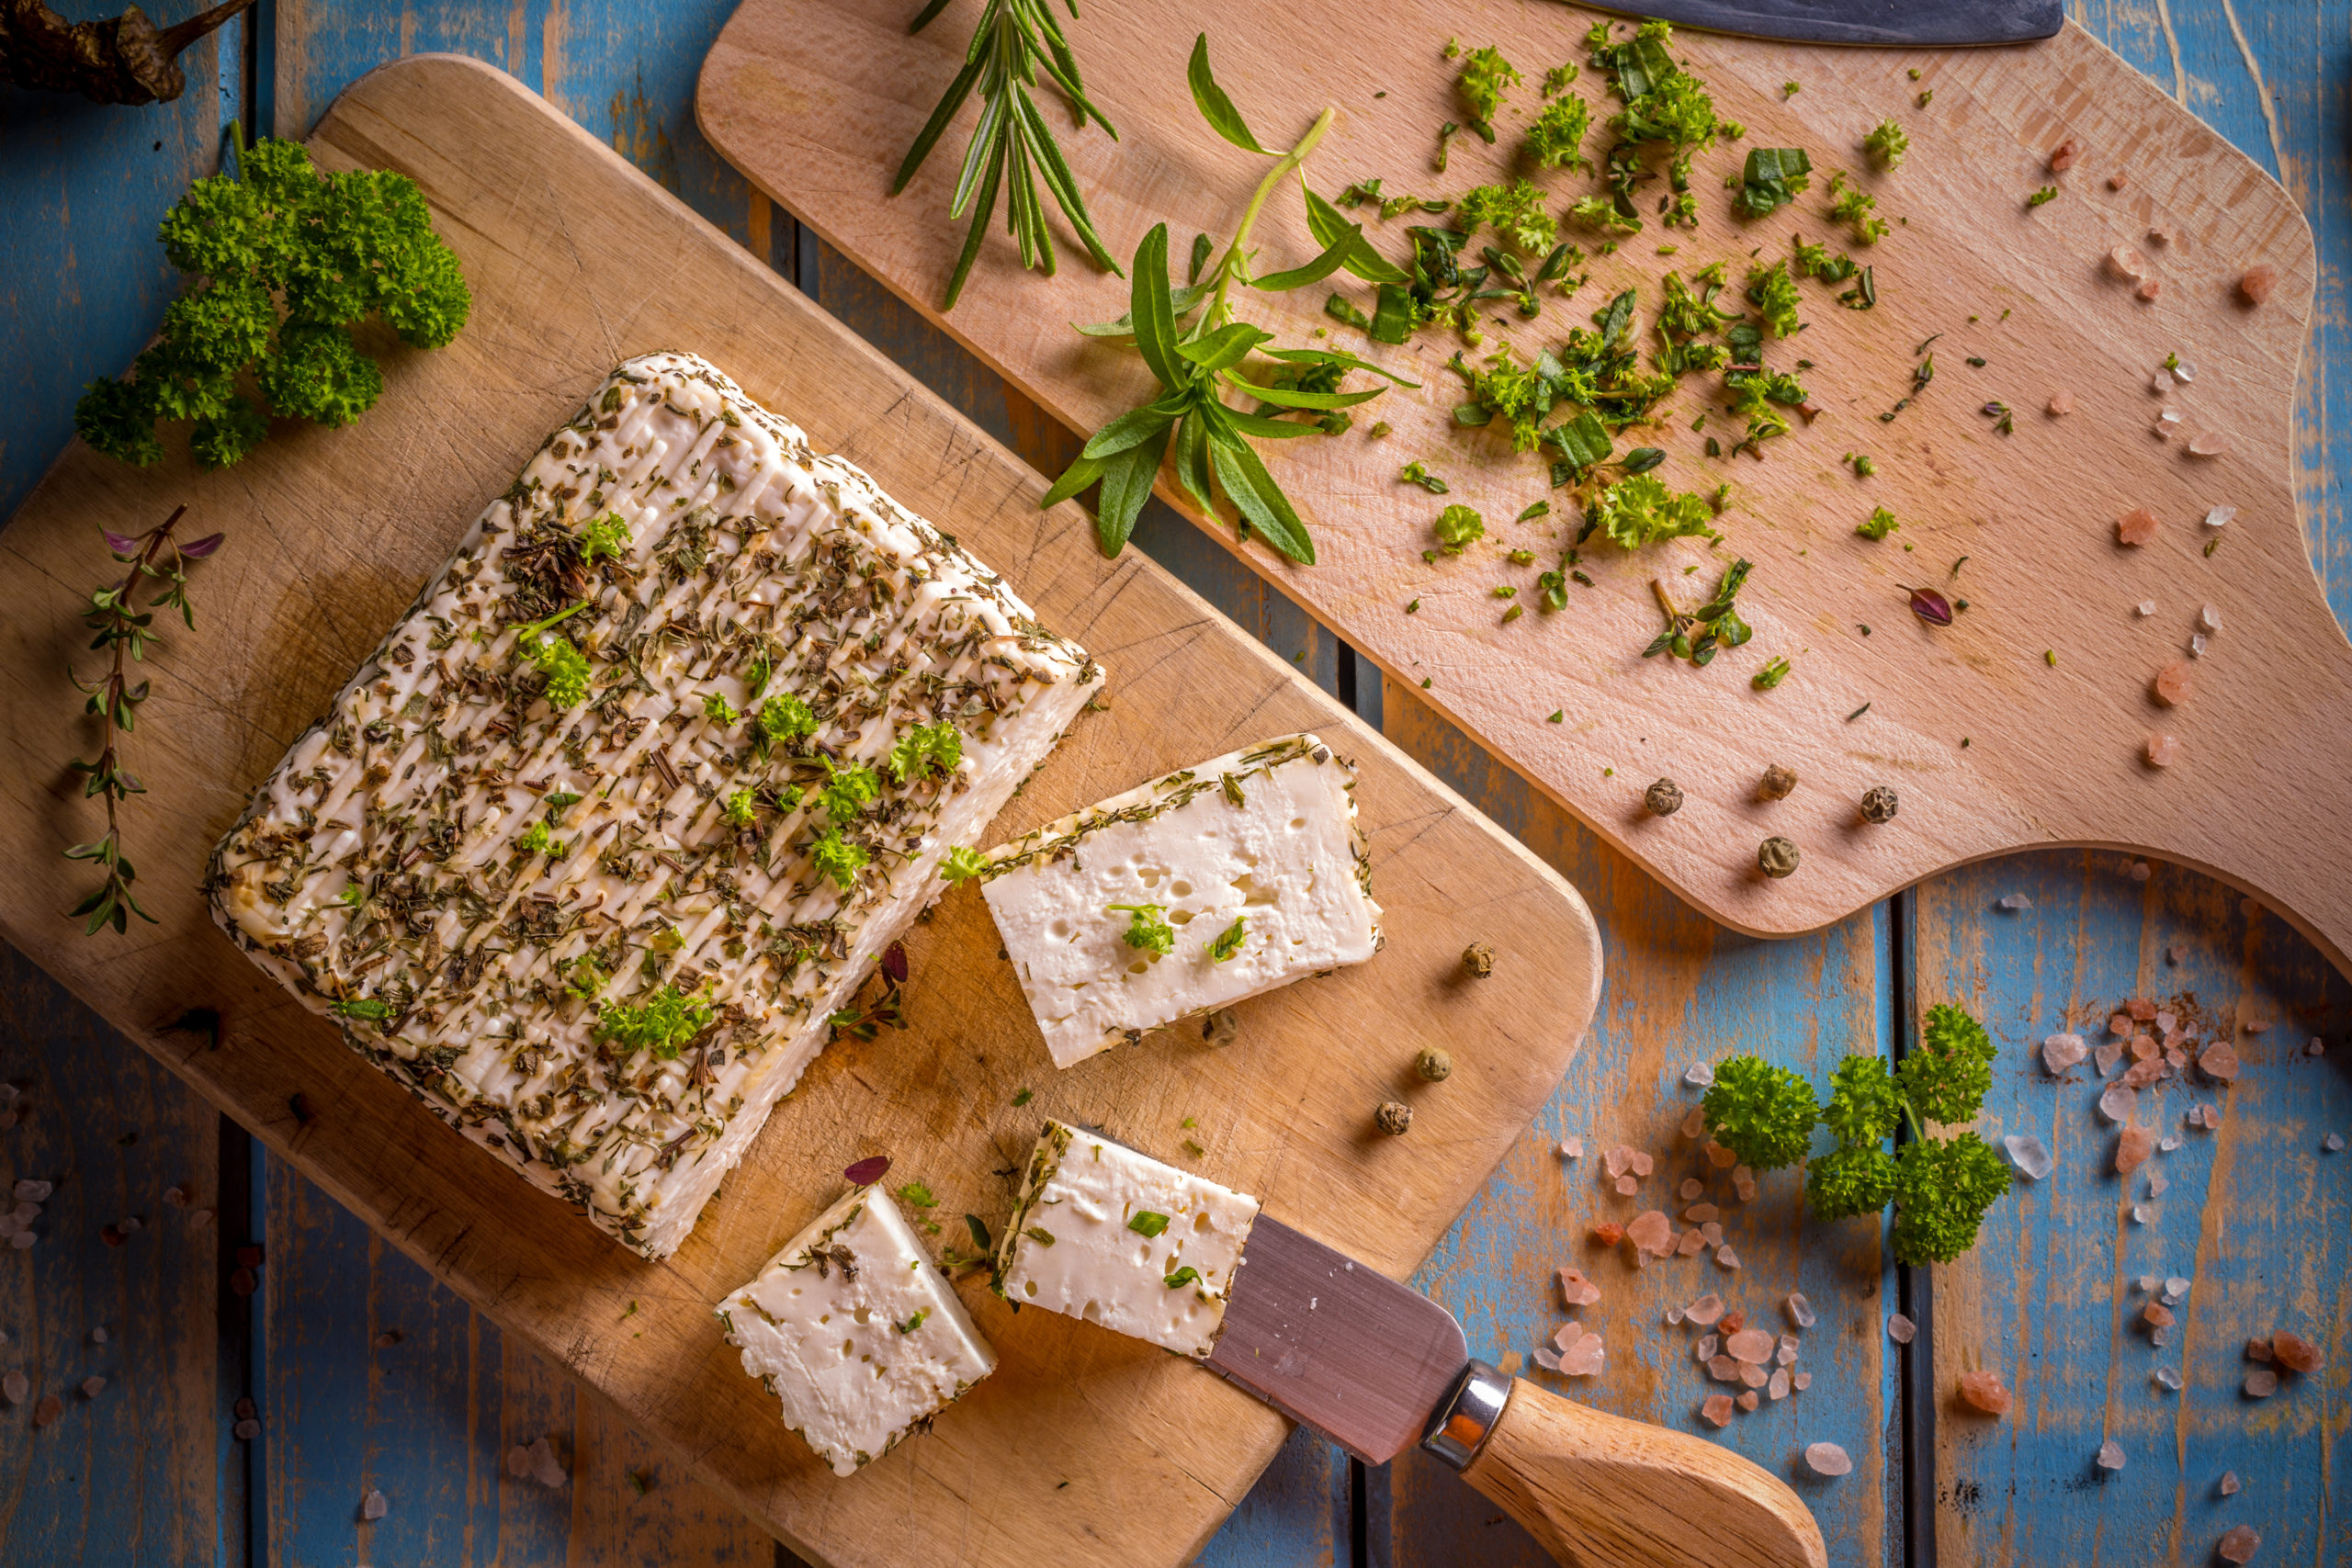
(924, 747)
(1887, 144)
(1881, 523)
(1458, 527)
(962, 864)
(1415, 472)
(1147, 931)
(662, 1020)
(1228, 941)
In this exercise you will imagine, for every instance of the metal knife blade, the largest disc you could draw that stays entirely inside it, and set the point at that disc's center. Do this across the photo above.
(1921, 24)
(1336, 1345)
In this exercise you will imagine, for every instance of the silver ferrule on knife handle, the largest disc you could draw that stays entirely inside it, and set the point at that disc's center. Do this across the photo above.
(1460, 1426)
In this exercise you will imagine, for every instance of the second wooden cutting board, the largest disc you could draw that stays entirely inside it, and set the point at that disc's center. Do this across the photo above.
(2023, 725)
(1084, 1446)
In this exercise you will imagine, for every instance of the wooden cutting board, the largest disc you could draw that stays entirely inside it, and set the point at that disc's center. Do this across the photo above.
(1084, 1447)
(1991, 747)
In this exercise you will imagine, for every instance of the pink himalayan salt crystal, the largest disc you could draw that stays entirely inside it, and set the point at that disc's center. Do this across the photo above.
(1801, 1380)
(2110, 1455)
(1984, 1392)
(2239, 1544)
(1753, 1345)
(1691, 1189)
(1706, 1311)
(2143, 1073)
(2259, 1349)
(1607, 1234)
(2256, 286)
(2142, 1047)
(2061, 404)
(1652, 1232)
(2230, 1485)
(2261, 1384)
(2218, 1062)
(1692, 1245)
(2162, 751)
(1712, 1234)
(1747, 1401)
(1619, 1159)
(1642, 1164)
(2127, 263)
(1581, 1353)
(2141, 1010)
(1576, 1290)
(2060, 1052)
(1700, 1214)
(2120, 1024)
(518, 1462)
(1717, 1410)
(1788, 1350)
(1726, 1258)
(1709, 1346)
(1779, 1387)
(2108, 1056)
(1572, 1148)
(1719, 1156)
(1723, 1369)
(1743, 1181)
(2150, 287)
(2133, 1151)
(2066, 156)
(2165, 1022)
(1628, 1185)
(2157, 1315)
(1828, 1459)
(1694, 1122)
(2136, 526)
(1754, 1377)
(2294, 1352)
(2174, 686)
(1900, 1328)
(1800, 1309)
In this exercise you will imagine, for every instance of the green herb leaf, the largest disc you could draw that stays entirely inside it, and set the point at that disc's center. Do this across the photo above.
(962, 865)
(1147, 931)
(1260, 500)
(1228, 941)
(1144, 1223)
(1330, 230)
(1215, 108)
(1148, 307)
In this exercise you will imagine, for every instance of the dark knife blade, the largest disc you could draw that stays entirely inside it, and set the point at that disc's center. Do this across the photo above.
(1327, 1341)
(1919, 24)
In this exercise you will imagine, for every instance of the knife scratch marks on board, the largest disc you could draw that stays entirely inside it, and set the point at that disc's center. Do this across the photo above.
(579, 271)
(2261, 93)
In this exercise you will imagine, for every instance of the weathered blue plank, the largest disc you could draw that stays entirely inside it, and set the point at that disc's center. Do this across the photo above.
(2253, 1215)
(145, 1469)
(1681, 990)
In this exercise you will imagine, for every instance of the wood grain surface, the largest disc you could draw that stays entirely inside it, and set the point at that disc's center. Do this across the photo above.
(577, 262)
(1993, 745)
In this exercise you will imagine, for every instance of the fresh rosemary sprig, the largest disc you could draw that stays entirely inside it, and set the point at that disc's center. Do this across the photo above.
(1195, 365)
(1016, 40)
(122, 626)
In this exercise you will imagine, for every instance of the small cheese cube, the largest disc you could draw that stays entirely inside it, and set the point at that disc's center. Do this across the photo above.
(1188, 893)
(1118, 1238)
(856, 1332)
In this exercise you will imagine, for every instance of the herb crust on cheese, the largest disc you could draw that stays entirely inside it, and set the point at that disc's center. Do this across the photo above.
(630, 801)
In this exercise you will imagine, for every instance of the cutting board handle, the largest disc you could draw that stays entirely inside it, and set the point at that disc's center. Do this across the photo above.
(1597, 1490)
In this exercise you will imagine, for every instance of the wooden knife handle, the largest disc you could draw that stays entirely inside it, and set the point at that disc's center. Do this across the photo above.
(1597, 1490)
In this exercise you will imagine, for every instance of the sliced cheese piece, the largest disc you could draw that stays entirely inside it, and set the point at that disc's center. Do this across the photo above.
(856, 1331)
(602, 939)
(1115, 1237)
(1250, 865)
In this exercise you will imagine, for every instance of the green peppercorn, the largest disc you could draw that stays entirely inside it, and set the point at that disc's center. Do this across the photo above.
(1778, 782)
(1394, 1119)
(1878, 804)
(1664, 798)
(1776, 857)
(1479, 959)
(1433, 1064)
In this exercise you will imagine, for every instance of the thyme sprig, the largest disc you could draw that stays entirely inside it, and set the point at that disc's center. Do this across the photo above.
(1012, 146)
(1195, 365)
(128, 631)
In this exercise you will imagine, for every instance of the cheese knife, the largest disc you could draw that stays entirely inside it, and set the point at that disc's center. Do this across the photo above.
(1377, 1366)
(1919, 24)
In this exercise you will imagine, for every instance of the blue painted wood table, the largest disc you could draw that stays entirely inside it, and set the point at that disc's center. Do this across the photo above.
(284, 1318)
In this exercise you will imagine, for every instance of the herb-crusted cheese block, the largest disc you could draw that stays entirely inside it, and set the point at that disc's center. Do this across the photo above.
(1191, 892)
(855, 1330)
(1118, 1238)
(633, 795)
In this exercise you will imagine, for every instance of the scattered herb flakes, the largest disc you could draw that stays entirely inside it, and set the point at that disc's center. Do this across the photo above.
(1194, 1149)
(1774, 293)
(2049, 656)
(1770, 179)
(1716, 625)
(2003, 419)
(1486, 77)
(1976, 361)
(1024, 1096)
(1881, 524)
(1515, 210)
(1458, 527)
(1775, 670)
(1927, 97)
(1639, 510)
(1416, 472)
(1858, 712)
(1887, 143)
(1789, 89)
(1557, 716)
(1532, 512)
(1555, 139)
(1413, 608)
(1852, 205)
(2046, 194)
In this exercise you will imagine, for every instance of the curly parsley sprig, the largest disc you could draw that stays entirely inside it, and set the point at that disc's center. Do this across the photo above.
(122, 626)
(329, 251)
(1940, 1186)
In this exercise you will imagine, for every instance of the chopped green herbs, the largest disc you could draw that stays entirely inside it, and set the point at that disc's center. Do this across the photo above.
(1187, 1274)
(606, 539)
(1714, 624)
(1228, 942)
(1558, 79)
(1775, 670)
(1640, 511)
(962, 864)
(1458, 527)
(1773, 177)
(374, 1010)
(1773, 292)
(663, 1021)
(1514, 210)
(565, 666)
(784, 718)
(926, 747)
(1881, 524)
(1849, 204)
(1555, 141)
(837, 858)
(718, 710)
(1887, 143)
(1486, 77)
(1024, 1098)
(1147, 931)
(1143, 1222)
(738, 808)
(2046, 194)
(912, 1323)
(1415, 472)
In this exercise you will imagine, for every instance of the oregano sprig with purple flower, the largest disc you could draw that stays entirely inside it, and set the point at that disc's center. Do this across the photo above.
(114, 614)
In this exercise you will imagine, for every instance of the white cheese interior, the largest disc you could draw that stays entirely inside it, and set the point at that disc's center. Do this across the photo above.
(1266, 835)
(382, 872)
(855, 1330)
(1075, 1245)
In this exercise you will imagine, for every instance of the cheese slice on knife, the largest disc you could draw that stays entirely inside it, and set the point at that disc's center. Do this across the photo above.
(632, 797)
(1188, 893)
(1105, 1233)
(855, 1330)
